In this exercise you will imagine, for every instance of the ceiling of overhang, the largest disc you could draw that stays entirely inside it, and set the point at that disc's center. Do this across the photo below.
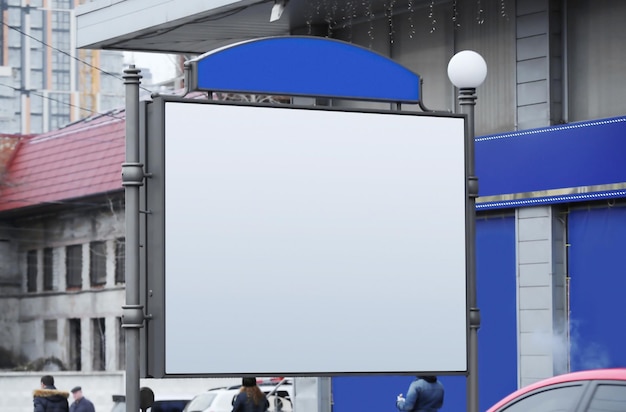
(201, 33)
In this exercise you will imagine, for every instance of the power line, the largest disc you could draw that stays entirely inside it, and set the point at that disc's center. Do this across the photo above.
(68, 54)
(17, 89)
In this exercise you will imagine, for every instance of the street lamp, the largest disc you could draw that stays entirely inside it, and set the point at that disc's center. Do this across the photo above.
(467, 70)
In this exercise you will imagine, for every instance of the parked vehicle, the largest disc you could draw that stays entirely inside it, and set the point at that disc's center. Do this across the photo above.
(586, 391)
(161, 403)
(279, 394)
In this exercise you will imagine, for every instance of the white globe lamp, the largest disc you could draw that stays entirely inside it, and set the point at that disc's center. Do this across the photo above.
(467, 69)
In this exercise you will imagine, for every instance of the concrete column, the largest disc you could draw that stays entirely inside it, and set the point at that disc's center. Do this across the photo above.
(85, 268)
(539, 63)
(110, 265)
(60, 269)
(111, 328)
(542, 312)
(86, 343)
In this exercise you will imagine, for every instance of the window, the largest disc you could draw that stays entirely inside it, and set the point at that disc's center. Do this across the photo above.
(48, 273)
(563, 398)
(120, 260)
(50, 330)
(74, 265)
(99, 340)
(62, 4)
(31, 271)
(608, 398)
(97, 263)
(121, 346)
(75, 344)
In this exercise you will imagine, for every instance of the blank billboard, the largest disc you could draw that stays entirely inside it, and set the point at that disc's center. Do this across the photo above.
(301, 241)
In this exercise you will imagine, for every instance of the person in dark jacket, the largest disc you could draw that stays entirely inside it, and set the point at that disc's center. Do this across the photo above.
(250, 398)
(425, 394)
(48, 398)
(80, 404)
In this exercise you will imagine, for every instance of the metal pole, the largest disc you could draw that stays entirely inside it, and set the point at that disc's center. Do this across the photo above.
(467, 101)
(132, 179)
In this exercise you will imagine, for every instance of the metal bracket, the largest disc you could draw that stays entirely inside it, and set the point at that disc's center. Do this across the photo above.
(132, 174)
(133, 316)
(474, 318)
(472, 186)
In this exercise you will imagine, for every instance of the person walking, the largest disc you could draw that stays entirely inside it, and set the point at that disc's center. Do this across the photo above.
(425, 394)
(48, 398)
(250, 398)
(80, 404)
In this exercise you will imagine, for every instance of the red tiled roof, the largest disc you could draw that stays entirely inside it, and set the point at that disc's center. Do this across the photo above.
(79, 160)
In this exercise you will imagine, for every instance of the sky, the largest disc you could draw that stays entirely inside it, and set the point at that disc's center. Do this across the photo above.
(161, 66)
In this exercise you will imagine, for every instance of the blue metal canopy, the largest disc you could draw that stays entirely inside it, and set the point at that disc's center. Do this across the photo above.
(304, 66)
(565, 163)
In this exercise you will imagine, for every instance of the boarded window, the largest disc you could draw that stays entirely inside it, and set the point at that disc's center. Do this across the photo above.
(50, 330)
(75, 345)
(120, 260)
(31, 271)
(48, 273)
(97, 263)
(99, 341)
(74, 265)
(121, 346)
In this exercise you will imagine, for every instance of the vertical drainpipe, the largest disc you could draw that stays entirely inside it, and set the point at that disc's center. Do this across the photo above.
(25, 63)
(47, 65)
(74, 100)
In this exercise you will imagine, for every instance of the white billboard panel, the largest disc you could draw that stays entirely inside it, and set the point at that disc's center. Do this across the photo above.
(317, 242)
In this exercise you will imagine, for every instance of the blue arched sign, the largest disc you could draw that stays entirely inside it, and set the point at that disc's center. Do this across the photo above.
(304, 66)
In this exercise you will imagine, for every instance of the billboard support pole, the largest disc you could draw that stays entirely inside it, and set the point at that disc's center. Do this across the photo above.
(132, 178)
(467, 70)
(467, 101)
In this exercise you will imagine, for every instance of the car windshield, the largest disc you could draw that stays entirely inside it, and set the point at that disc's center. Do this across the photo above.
(200, 402)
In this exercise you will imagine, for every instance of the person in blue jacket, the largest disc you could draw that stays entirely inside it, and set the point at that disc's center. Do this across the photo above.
(425, 394)
(250, 398)
(81, 404)
(48, 398)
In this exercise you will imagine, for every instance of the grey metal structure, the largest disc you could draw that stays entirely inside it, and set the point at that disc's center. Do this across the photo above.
(467, 99)
(155, 238)
(198, 259)
(132, 179)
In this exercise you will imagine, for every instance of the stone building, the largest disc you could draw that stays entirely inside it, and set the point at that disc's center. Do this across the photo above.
(62, 246)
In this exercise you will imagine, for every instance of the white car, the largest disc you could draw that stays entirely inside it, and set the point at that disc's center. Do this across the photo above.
(173, 403)
(279, 396)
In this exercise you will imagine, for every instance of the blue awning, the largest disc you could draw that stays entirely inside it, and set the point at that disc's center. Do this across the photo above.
(565, 163)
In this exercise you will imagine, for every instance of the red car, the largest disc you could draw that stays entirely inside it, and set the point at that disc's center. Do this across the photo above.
(598, 390)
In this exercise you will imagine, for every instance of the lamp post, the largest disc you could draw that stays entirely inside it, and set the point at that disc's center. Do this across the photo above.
(467, 70)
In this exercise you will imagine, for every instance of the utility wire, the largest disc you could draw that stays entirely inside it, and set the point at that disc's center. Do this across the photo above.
(17, 89)
(69, 55)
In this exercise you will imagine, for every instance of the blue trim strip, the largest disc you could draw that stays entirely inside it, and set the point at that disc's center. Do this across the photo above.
(567, 156)
(304, 66)
(580, 197)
